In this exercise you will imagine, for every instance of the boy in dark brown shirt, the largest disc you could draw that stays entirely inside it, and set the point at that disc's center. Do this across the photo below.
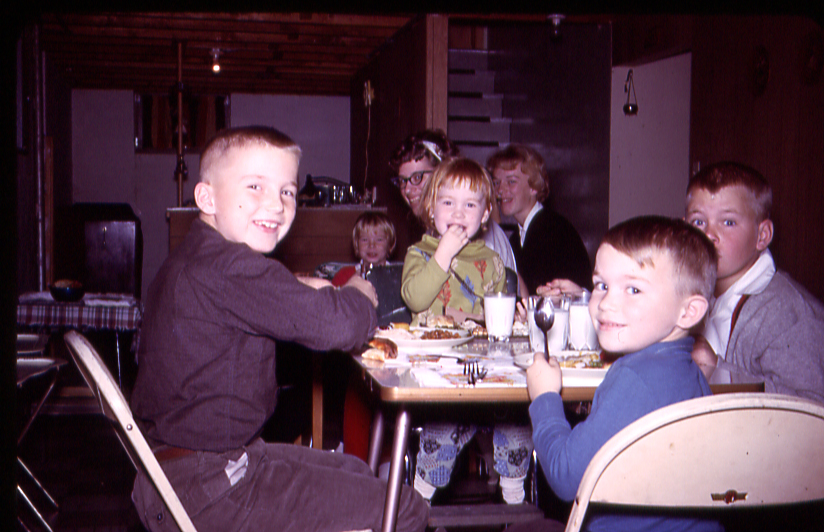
(206, 379)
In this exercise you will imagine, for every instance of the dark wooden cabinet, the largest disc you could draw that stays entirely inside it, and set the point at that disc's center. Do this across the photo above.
(101, 245)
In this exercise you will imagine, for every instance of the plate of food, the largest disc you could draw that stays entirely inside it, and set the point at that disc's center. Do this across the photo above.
(426, 339)
(570, 361)
(581, 359)
(519, 330)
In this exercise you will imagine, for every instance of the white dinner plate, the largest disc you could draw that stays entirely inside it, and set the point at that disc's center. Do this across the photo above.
(418, 345)
(583, 376)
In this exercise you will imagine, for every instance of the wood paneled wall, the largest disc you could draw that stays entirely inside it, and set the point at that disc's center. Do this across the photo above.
(408, 76)
(779, 132)
(556, 92)
(778, 129)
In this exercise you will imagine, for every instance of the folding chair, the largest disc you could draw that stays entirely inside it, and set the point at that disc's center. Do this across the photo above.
(115, 407)
(726, 450)
(387, 282)
(28, 370)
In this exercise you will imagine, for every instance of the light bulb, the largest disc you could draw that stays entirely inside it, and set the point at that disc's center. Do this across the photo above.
(215, 62)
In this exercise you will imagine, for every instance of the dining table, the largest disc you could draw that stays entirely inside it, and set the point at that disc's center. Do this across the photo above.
(41, 313)
(429, 376)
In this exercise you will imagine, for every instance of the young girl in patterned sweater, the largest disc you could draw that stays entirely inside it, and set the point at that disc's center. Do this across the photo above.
(448, 272)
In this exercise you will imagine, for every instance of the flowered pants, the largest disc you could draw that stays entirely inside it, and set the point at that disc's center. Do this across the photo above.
(441, 443)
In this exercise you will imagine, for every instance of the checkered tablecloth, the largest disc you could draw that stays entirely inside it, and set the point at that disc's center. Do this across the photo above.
(118, 312)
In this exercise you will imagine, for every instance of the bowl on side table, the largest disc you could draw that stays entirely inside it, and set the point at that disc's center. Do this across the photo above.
(67, 290)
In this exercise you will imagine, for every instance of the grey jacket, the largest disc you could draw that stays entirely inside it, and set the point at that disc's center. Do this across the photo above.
(779, 339)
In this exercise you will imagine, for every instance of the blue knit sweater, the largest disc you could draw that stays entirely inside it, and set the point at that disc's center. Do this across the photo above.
(635, 385)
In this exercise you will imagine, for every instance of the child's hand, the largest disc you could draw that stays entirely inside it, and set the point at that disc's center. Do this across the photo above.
(452, 242)
(557, 287)
(704, 356)
(365, 287)
(460, 316)
(520, 311)
(313, 282)
(543, 376)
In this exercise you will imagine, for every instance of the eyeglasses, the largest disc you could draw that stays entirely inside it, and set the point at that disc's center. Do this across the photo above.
(415, 179)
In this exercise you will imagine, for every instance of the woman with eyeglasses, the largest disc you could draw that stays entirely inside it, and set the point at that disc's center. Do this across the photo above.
(414, 162)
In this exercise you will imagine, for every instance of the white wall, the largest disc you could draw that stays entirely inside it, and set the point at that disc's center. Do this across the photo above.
(649, 152)
(105, 167)
(319, 124)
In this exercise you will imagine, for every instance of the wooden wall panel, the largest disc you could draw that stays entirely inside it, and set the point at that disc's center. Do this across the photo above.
(408, 76)
(641, 39)
(779, 131)
(556, 92)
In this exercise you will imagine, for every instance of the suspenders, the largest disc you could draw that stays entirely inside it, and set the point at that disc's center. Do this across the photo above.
(737, 311)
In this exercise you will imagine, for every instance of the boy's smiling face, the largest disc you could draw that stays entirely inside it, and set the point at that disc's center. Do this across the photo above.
(373, 246)
(457, 204)
(252, 196)
(634, 306)
(728, 218)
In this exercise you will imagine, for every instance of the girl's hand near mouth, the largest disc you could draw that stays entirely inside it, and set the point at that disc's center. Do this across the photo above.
(452, 242)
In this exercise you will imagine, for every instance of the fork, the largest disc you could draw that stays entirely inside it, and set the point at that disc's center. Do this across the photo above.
(474, 372)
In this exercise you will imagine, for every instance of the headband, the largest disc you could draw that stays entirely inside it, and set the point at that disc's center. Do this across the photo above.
(432, 148)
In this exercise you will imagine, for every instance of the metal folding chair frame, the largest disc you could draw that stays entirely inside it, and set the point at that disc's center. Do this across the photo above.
(115, 407)
(37, 367)
(721, 451)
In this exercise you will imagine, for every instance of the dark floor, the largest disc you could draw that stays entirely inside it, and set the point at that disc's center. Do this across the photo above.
(81, 463)
(79, 460)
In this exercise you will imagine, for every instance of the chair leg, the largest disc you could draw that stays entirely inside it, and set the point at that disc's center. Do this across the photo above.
(40, 518)
(23, 525)
(37, 408)
(37, 483)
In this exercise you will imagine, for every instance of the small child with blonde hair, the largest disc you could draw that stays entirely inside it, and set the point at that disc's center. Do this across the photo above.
(449, 271)
(373, 239)
(451, 268)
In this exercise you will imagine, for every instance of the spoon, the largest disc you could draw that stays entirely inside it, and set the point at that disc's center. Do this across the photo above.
(366, 267)
(544, 318)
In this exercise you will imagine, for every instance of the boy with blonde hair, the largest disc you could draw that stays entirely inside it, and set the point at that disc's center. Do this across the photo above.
(206, 382)
(373, 240)
(763, 326)
(652, 280)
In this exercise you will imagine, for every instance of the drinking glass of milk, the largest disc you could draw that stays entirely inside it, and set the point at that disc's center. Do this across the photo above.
(559, 332)
(499, 315)
(560, 328)
(582, 335)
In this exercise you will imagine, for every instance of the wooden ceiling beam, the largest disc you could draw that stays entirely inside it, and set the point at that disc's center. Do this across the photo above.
(313, 52)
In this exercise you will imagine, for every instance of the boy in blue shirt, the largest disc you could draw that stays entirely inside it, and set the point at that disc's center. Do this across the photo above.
(652, 281)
